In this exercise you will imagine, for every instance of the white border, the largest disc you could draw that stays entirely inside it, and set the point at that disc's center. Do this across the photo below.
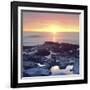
(51, 78)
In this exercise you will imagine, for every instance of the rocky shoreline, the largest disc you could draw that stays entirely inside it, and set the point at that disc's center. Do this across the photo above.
(39, 59)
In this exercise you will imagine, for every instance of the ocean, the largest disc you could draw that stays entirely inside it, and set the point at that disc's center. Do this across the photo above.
(37, 38)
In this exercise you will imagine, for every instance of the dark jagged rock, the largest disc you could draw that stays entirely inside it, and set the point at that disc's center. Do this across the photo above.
(25, 57)
(42, 52)
(76, 67)
(51, 43)
(25, 74)
(67, 46)
(63, 64)
(33, 58)
(47, 65)
(29, 64)
(37, 72)
(48, 55)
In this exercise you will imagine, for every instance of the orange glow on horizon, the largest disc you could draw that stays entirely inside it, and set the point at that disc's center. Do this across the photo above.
(54, 29)
(50, 22)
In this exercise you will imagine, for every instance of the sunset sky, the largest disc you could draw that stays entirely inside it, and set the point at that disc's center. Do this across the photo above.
(50, 22)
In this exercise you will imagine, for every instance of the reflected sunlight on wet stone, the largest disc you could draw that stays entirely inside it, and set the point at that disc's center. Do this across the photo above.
(55, 70)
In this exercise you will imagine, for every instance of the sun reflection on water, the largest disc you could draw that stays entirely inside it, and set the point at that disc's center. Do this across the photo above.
(54, 37)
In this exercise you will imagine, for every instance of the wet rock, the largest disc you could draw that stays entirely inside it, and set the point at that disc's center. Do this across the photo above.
(42, 57)
(76, 67)
(25, 74)
(43, 52)
(38, 72)
(26, 57)
(47, 65)
(29, 64)
(51, 43)
(62, 65)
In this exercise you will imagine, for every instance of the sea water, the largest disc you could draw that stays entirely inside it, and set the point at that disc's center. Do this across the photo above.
(36, 38)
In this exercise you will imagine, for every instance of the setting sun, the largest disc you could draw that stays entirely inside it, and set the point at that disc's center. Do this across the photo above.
(50, 22)
(54, 29)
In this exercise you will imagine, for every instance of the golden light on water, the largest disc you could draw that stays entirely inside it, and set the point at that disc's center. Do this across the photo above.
(54, 38)
(54, 29)
(54, 35)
